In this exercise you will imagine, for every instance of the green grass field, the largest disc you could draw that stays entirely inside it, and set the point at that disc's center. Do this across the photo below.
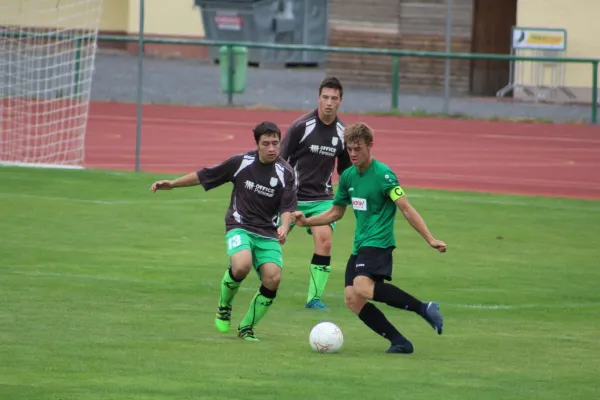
(108, 291)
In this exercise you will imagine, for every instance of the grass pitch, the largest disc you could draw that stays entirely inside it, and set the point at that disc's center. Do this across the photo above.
(109, 292)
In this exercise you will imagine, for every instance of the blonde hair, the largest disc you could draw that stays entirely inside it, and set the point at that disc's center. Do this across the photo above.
(355, 132)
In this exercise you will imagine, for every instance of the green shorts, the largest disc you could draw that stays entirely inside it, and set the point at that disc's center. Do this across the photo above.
(263, 249)
(311, 208)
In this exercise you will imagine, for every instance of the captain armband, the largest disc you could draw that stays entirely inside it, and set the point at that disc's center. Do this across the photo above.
(396, 193)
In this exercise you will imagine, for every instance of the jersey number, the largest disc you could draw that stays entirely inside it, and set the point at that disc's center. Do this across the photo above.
(234, 241)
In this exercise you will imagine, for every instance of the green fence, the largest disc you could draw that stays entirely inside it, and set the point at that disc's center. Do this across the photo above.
(395, 54)
(229, 48)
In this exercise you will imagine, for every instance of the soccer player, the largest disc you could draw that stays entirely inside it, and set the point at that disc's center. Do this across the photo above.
(311, 145)
(372, 189)
(264, 191)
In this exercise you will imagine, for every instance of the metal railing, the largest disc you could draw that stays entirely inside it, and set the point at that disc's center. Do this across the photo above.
(395, 54)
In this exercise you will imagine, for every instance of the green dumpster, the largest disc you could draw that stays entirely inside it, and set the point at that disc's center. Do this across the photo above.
(240, 67)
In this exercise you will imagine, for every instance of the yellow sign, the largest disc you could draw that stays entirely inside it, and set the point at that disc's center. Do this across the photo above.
(539, 39)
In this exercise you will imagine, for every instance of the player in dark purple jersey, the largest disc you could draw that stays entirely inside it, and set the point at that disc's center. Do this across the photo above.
(256, 223)
(312, 145)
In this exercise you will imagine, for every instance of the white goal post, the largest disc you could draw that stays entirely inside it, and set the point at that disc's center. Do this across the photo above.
(47, 52)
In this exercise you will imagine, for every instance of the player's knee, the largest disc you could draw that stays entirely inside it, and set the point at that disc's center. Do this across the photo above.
(270, 276)
(241, 263)
(241, 269)
(272, 281)
(364, 286)
(324, 246)
(323, 241)
(353, 301)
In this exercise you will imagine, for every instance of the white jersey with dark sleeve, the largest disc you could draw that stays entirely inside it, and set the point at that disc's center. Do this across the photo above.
(311, 148)
(260, 191)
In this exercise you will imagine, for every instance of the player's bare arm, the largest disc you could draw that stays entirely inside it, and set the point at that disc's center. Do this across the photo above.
(284, 229)
(416, 221)
(208, 177)
(289, 204)
(190, 179)
(335, 213)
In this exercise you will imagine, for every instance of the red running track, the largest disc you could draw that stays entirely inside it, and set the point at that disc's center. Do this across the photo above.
(495, 157)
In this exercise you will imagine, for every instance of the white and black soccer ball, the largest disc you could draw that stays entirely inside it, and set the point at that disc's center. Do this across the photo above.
(326, 337)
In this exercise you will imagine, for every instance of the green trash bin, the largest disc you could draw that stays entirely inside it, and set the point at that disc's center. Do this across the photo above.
(240, 67)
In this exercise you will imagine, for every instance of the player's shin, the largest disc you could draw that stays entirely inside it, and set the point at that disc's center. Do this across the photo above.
(396, 297)
(259, 305)
(229, 287)
(319, 274)
(371, 316)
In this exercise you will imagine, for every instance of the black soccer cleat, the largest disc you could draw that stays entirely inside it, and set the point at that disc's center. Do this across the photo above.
(401, 348)
(433, 315)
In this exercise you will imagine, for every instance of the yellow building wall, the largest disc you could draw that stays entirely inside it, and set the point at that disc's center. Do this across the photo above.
(51, 14)
(115, 14)
(178, 18)
(580, 19)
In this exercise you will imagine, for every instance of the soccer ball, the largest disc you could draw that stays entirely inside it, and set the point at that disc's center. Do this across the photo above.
(326, 337)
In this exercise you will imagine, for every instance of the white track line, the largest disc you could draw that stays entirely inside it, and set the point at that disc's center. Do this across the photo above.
(490, 307)
(109, 202)
(534, 203)
(462, 199)
(499, 179)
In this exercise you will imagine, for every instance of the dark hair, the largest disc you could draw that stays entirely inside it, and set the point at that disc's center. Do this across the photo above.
(266, 128)
(355, 132)
(332, 83)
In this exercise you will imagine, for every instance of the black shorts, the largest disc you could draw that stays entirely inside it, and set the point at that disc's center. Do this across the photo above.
(374, 262)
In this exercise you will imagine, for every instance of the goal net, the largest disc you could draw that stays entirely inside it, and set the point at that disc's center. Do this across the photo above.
(47, 50)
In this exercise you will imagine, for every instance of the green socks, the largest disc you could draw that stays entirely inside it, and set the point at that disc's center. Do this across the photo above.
(259, 305)
(229, 287)
(319, 274)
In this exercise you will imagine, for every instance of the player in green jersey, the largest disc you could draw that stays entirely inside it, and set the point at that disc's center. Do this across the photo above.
(375, 194)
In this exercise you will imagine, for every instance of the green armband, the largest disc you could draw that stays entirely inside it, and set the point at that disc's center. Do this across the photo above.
(396, 193)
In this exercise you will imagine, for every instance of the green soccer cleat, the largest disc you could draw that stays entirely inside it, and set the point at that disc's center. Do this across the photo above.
(247, 333)
(223, 319)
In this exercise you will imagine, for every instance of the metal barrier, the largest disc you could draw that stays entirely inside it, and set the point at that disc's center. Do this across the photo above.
(537, 74)
(539, 85)
(395, 54)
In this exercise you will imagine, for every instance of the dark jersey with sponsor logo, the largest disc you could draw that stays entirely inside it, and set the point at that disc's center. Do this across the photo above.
(311, 147)
(260, 191)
